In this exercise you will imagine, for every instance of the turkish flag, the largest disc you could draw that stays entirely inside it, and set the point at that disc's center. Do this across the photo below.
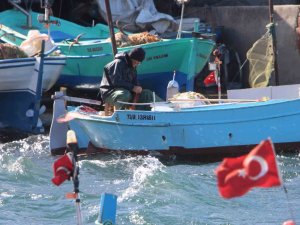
(210, 80)
(236, 176)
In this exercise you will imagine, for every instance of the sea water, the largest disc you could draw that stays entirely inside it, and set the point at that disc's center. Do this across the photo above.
(149, 191)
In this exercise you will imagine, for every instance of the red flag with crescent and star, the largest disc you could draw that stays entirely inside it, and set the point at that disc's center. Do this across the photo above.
(236, 176)
(210, 80)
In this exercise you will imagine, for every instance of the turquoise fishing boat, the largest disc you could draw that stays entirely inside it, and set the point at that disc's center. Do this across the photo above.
(177, 128)
(88, 50)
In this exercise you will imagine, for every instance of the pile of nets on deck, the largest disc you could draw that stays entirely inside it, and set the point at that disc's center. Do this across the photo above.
(8, 51)
(123, 40)
(189, 99)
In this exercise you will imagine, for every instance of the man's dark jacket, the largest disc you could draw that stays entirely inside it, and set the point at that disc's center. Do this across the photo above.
(118, 74)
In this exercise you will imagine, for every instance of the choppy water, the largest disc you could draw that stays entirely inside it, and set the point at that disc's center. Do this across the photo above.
(149, 191)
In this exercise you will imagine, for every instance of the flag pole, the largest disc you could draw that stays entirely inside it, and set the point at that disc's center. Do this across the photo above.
(218, 63)
(273, 33)
(288, 202)
(290, 210)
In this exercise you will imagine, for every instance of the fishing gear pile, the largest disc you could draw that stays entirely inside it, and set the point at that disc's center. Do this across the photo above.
(8, 51)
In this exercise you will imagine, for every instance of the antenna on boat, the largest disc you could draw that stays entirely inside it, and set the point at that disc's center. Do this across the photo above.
(181, 2)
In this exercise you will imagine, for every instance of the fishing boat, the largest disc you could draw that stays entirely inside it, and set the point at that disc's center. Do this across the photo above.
(22, 82)
(180, 129)
(88, 50)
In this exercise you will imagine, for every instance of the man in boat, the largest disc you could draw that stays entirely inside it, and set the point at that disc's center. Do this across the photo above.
(120, 84)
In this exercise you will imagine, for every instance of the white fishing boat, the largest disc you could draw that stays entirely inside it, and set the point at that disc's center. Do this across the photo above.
(22, 82)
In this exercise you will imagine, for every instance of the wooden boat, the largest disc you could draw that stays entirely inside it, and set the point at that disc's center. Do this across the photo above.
(88, 50)
(22, 81)
(213, 130)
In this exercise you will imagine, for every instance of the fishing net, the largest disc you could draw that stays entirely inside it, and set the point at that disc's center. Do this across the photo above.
(185, 99)
(8, 51)
(261, 60)
(123, 40)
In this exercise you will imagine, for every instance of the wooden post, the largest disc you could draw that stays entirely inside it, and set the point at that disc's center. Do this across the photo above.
(273, 33)
(111, 27)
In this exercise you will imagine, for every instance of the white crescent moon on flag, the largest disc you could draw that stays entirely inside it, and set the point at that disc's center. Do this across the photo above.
(263, 165)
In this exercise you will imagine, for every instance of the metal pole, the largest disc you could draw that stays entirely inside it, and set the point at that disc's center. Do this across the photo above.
(181, 18)
(72, 146)
(28, 14)
(111, 27)
(273, 33)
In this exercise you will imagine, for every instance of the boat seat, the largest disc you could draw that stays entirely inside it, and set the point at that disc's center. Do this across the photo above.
(108, 109)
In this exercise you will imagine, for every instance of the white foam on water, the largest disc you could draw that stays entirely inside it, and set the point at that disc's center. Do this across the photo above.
(136, 218)
(145, 169)
(33, 146)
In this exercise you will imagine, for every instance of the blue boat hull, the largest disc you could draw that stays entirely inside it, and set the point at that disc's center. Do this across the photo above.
(20, 91)
(15, 107)
(207, 130)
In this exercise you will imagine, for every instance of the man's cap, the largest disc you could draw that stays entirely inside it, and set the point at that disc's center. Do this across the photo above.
(137, 54)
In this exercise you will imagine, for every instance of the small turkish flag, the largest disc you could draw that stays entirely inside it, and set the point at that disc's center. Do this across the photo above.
(210, 80)
(236, 176)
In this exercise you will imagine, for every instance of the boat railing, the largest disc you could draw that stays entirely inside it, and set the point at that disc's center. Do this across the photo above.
(183, 104)
(51, 50)
(137, 104)
(171, 105)
(61, 95)
(26, 13)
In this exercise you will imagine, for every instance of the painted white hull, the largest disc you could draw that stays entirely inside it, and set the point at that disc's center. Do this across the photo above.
(16, 74)
(52, 69)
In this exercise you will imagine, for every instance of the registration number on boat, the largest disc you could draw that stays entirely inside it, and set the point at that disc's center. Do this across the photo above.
(96, 49)
(140, 117)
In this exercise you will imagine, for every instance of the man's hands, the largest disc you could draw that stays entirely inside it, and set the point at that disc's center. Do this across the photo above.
(137, 89)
